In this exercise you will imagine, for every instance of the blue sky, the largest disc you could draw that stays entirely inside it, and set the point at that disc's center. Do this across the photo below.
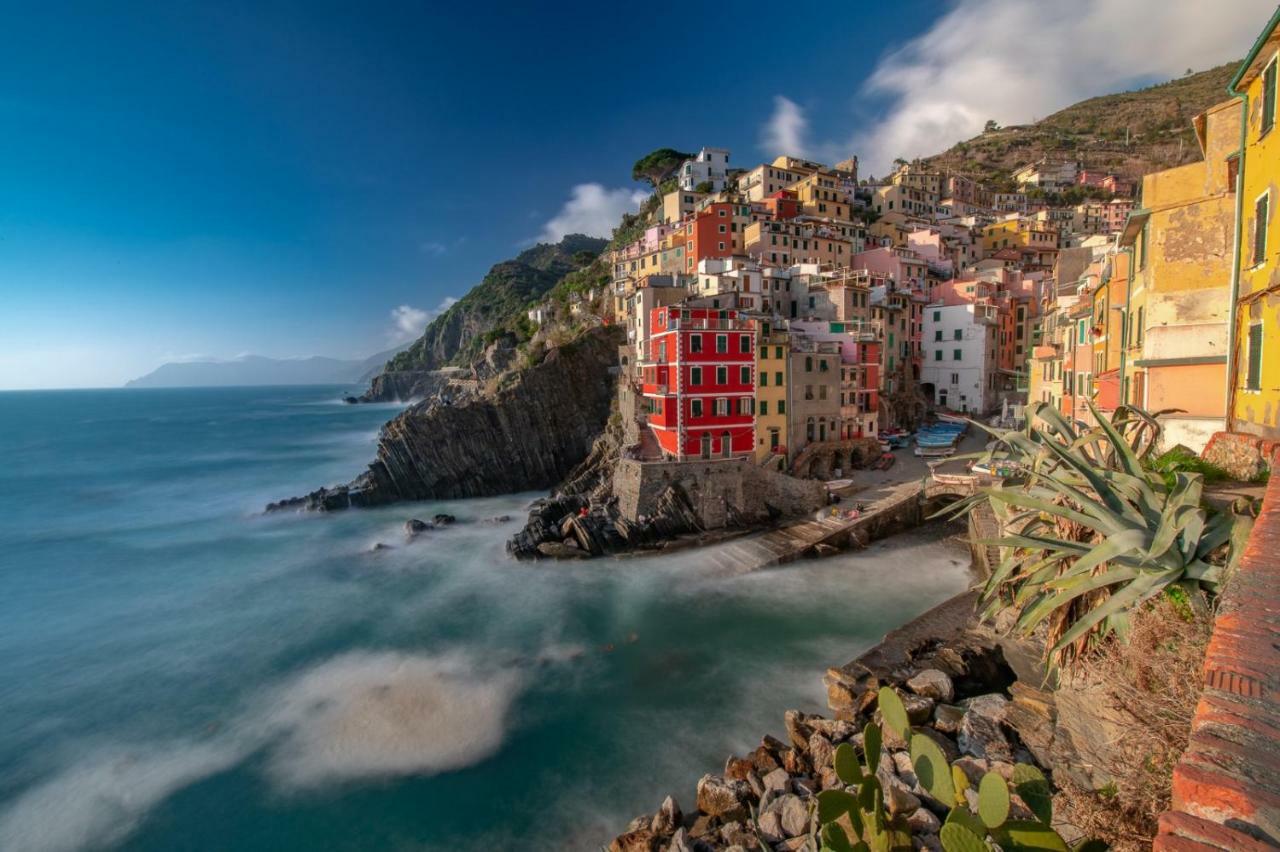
(185, 180)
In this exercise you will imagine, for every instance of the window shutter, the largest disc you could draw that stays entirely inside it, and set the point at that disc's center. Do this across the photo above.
(1260, 229)
(1253, 380)
(1269, 97)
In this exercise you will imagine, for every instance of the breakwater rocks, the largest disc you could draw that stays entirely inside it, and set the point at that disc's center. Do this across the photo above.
(527, 433)
(958, 689)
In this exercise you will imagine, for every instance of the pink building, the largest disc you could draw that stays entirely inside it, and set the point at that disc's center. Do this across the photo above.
(906, 267)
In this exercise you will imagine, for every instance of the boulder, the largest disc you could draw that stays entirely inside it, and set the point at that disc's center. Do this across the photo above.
(736, 834)
(797, 730)
(932, 683)
(380, 546)
(835, 730)
(667, 819)
(919, 708)
(770, 827)
(557, 550)
(898, 798)
(981, 731)
(805, 787)
(946, 718)
(922, 821)
(443, 520)
(793, 814)
(820, 750)
(737, 768)
(724, 799)
(680, 842)
(640, 840)
(415, 527)
(778, 780)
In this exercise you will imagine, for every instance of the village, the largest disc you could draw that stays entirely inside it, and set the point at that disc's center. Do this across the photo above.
(776, 311)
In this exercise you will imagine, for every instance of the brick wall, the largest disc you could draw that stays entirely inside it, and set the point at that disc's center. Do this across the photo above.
(1226, 787)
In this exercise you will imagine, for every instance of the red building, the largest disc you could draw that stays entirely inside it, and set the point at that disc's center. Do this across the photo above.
(699, 382)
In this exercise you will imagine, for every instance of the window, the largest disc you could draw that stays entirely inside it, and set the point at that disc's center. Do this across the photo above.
(695, 343)
(695, 375)
(822, 365)
(1269, 97)
(808, 364)
(722, 375)
(822, 391)
(937, 316)
(722, 343)
(1253, 380)
(764, 379)
(777, 378)
(937, 336)
(955, 354)
(746, 405)
(1141, 311)
(744, 343)
(937, 354)
(744, 375)
(957, 335)
(722, 407)
(695, 408)
(777, 351)
(1142, 246)
(955, 378)
(1261, 208)
(782, 406)
(764, 408)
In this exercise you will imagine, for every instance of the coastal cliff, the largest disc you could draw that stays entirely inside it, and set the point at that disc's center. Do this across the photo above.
(527, 430)
(404, 385)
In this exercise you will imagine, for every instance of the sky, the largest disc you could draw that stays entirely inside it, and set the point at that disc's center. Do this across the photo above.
(184, 181)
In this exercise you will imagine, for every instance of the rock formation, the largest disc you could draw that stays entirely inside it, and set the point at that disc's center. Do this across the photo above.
(527, 433)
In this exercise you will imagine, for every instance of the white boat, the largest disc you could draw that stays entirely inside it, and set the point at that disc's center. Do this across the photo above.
(935, 452)
(953, 418)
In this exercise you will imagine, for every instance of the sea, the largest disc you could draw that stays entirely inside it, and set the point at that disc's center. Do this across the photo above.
(180, 671)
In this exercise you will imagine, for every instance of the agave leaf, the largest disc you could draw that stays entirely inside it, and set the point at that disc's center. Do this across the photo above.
(1013, 498)
(1097, 483)
(1131, 595)
(1124, 453)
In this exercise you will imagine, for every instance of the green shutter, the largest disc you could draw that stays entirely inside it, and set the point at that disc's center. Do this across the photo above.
(1254, 379)
(1260, 211)
(1269, 97)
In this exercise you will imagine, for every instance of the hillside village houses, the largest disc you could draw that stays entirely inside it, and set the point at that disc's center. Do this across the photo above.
(789, 303)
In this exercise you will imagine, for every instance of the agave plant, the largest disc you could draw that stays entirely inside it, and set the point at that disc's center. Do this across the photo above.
(1090, 532)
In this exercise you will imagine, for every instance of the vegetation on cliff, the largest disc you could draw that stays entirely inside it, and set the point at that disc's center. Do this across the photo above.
(658, 165)
(1129, 133)
(497, 304)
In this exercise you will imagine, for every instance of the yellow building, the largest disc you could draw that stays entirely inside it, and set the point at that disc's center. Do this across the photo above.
(773, 357)
(820, 194)
(1182, 239)
(1019, 232)
(1255, 385)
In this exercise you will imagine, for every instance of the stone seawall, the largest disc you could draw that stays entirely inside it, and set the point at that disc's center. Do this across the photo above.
(721, 491)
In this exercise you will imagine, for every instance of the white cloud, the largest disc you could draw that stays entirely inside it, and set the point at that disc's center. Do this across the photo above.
(1018, 60)
(433, 247)
(592, 210)
(408, 322)
(786, 129)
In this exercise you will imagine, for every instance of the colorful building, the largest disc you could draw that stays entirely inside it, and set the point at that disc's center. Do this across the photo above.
(698, 380)
(1183, 239)
(773, 367)
(1255, 357)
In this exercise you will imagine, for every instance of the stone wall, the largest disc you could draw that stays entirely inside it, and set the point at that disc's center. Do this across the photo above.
(1243, 456)
(1226, 787)
(720, 490)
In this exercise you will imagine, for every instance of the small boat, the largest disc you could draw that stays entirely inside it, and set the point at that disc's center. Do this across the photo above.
(900, 439)
(935, 452)
(952, 418)
(885, 461)
(932, 441)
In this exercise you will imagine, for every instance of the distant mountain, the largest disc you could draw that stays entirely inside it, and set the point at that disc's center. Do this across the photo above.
(1129, 133)
(257, 370)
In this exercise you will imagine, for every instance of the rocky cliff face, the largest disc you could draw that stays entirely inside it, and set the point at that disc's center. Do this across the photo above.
(403, 385)
(528, 434)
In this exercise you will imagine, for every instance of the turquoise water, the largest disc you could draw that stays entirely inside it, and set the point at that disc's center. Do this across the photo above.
(178, 671)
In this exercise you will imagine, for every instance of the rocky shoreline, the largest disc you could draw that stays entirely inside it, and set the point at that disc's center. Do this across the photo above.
(964, 685)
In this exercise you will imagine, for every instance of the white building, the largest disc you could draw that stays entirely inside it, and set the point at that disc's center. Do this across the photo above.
(710, 166)
(960, 351)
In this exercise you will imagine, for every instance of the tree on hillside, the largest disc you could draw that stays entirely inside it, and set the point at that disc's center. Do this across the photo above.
(658, 165)
(990, 126)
